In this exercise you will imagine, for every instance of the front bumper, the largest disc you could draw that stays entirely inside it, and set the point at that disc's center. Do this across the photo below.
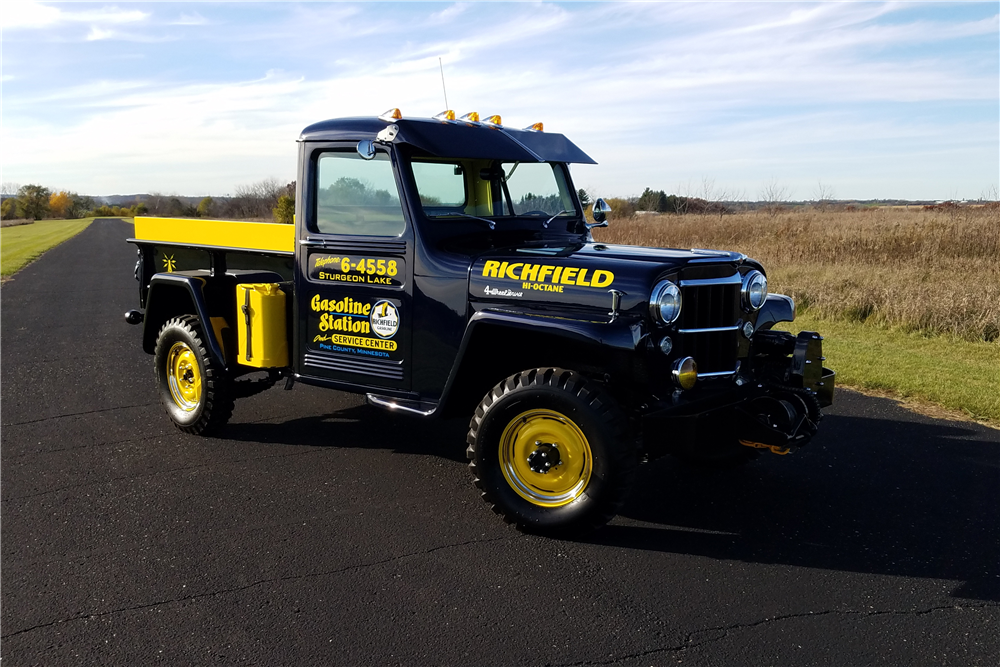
(773, 403)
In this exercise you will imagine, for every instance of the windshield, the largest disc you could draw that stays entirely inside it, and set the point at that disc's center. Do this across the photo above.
(491, 189)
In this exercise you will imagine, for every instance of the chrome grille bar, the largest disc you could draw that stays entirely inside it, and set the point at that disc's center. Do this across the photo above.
(735, 327)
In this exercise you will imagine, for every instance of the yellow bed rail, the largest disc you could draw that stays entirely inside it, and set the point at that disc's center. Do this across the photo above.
(266, 236)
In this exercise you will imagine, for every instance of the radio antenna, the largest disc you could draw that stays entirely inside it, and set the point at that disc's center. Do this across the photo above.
(441, 65)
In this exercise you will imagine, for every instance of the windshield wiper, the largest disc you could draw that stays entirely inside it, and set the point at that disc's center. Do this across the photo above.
(546, 223)
(491, 223)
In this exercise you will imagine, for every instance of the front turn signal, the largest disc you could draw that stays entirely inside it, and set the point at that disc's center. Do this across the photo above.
(685, 372)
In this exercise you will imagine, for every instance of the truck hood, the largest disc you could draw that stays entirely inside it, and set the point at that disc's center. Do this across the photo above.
(582, 274)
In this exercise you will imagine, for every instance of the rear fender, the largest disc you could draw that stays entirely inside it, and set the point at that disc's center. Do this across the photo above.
(174, 294)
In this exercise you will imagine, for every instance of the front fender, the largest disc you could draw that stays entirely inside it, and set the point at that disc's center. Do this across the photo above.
(776, 308)
(485, 356)
(621, 335)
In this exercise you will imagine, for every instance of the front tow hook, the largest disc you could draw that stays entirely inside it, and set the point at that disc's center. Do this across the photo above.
(134, 317)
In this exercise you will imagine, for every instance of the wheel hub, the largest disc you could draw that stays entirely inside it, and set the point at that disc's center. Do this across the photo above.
(538, 469)
(183, 377)
(544, 458)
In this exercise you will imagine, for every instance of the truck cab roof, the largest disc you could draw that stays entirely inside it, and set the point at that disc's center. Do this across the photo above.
(455, 138)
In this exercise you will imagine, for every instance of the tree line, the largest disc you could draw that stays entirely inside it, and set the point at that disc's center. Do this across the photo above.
(267, 199)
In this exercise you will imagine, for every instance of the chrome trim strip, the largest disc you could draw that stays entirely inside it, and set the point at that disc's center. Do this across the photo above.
(734, 279)
(390, 405)
(735, 327)
(718, 374)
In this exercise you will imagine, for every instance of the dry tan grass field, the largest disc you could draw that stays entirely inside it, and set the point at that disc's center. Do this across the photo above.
(929, 271)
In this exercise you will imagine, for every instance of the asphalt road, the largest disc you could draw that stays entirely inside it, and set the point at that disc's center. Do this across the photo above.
(321, 531)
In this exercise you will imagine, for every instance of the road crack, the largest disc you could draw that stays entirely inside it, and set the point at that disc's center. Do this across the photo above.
(717, 633)
(255, 584)
(77, 414)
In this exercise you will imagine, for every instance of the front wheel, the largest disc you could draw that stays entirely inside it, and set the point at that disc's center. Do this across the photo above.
(550, 452)
(193, 388)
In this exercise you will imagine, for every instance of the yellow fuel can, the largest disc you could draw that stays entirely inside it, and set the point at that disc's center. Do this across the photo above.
(261, 329)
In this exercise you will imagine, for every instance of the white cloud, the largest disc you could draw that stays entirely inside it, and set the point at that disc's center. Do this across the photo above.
(28, 14)
(191, 19)
(448, 14)
(99, 33)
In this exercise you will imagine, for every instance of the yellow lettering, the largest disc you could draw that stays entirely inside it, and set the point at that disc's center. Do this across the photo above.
(315, 303)
(490, 269)
(568, 274)
(529, 272)
(582, 278)
(555, 276)
(545, 271)
(602, 278)
(366, 343)
(512, 270)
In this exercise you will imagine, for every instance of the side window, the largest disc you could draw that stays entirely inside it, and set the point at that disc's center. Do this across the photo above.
(357, 196)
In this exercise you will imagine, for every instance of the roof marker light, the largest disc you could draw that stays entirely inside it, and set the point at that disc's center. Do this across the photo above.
(445, 115)
(391, 115)
(472, 117)
(493, 120)
(537, 127)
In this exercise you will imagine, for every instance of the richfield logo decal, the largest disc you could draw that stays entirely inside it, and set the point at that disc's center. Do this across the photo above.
(546, 277)
(384, 319)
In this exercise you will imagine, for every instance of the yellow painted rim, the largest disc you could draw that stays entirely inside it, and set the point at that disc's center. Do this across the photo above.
(184, 376)
(562, 484)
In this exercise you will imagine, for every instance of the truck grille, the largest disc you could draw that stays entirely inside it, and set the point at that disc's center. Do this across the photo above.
(709, 323)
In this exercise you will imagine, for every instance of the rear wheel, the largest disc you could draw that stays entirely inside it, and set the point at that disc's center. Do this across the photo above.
(193, 388)
(550, 452)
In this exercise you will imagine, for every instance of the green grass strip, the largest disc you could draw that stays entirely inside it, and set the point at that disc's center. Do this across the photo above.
(24, 243)
(954, 373)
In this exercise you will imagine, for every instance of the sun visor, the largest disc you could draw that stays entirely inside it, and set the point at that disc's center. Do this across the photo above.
(550, 147)
(468, 140)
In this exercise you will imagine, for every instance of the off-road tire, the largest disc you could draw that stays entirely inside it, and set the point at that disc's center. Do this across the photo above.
(212, 407)
(589, 410)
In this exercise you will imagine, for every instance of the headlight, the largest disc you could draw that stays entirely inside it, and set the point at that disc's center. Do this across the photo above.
(754, 290)
(665, 302)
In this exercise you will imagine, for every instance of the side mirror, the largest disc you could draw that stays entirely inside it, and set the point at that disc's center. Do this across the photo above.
(366, 149)
(600, 212)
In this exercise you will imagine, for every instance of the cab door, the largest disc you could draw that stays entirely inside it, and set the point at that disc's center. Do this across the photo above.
(354, 271)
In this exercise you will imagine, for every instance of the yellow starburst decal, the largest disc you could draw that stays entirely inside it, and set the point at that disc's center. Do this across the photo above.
(169, 264)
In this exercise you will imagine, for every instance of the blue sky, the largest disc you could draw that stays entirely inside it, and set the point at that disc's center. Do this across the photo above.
(873, 100)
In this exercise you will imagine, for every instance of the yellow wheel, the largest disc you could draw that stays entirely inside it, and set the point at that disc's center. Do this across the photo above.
(183, 376)
(550, 452)
(546, 458)
(193, 387)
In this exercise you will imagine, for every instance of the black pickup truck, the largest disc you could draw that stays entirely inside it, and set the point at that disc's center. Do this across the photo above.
(444, 267)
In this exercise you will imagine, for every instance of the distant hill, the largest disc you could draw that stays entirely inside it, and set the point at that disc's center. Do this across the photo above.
(128, 200)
